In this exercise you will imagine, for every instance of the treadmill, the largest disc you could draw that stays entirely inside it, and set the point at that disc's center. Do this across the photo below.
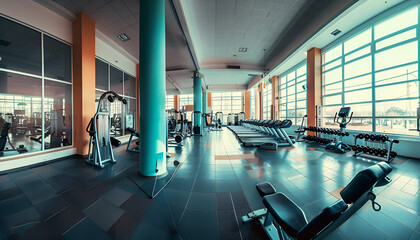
(280, 137)
(255, 140)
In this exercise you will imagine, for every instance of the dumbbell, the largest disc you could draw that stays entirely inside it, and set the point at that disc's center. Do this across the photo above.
(372, 137)
(383, 152)
(393, 154)
(354, 148)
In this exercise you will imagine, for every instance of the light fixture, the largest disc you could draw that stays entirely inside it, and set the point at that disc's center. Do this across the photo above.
(123, 37)
(243, 49)
(335, 32)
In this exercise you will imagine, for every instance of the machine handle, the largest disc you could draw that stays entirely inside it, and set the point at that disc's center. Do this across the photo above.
(351, 116)
(335, 117)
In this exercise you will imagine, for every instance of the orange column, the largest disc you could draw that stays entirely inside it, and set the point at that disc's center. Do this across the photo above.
(275, 97)
(247, 108)
(209, 100)
(313, 62)
(83, 79)
(137, 98)
(176, 102)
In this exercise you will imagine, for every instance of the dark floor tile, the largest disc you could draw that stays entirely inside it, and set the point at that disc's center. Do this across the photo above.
(85, 230)
(181, 184)
(103, 213)
(123, 227)
(228, 228)
(204, 186)
(117, 196)
(81, 197)
(26, 216)
(239, 200)
(52, 206)
(199, 225)
(202, 201)
(41, 231)
(206, 175)
(225, 175)
(13, 205)
(146, 231)
(66, 219)
(250, 231)
(224, 201)
(7, 184)
(137, 206)
(62, 182)
(228, 186)
(9, 193)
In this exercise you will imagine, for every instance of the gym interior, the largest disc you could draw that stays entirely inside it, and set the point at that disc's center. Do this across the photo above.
(209, 119)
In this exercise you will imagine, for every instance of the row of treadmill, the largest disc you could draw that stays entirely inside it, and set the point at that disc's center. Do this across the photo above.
(266, 134)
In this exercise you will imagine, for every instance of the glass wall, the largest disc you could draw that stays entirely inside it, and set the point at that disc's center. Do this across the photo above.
(375, 72)
(292, 94)
(110, 78)
(267, 95)
(226, 102)
(170, 102)
(252, 103)
(186, 99)
(35, 118)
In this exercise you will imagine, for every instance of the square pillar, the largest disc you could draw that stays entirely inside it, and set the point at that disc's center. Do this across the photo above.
(83, 79)
(314, 96)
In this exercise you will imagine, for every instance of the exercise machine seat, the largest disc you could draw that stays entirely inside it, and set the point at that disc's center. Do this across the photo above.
(265, 188)
(323, 219)
(364, 181)
(286, 213)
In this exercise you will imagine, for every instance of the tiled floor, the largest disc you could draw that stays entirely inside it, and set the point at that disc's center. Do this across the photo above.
(212, 189)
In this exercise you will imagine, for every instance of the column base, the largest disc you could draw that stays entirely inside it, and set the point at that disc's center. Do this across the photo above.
(159, 175)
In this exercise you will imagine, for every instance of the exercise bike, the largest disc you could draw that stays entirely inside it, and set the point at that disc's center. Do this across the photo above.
(338, 145)
(4, 137)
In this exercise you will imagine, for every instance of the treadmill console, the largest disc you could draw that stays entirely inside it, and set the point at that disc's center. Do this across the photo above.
(344, 112)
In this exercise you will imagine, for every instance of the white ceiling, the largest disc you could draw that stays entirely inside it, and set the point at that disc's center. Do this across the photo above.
(210, 33)
(219, 28)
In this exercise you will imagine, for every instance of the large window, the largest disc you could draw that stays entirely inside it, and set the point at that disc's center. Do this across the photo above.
(226, 102)
(110, 78)
(292, 93)
(186, 99)
(252, 103)
(35, 105)
(375, 72)
(170, 102)
(267, 95)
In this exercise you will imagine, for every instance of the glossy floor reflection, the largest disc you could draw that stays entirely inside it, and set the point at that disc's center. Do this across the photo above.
(212, 189)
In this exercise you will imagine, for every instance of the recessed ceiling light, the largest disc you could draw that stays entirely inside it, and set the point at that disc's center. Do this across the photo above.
(336, 32)
(243, 49)
(123, 37)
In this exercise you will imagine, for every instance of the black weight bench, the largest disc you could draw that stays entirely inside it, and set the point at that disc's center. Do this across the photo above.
(283, 219)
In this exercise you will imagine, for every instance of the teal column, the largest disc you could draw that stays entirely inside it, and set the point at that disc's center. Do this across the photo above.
(198, 97)
(204, 102)
(152, 88)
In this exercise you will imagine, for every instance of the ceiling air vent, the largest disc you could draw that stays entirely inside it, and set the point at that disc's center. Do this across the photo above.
(336, 32)
(243, 49)
(123, 37)
(233, 67)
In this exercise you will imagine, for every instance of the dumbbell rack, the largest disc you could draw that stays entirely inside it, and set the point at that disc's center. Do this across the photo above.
(386, 154)
(323, 135)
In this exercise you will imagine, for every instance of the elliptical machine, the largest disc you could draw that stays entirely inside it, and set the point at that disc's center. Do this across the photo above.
(101, 142)
(338, 145)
